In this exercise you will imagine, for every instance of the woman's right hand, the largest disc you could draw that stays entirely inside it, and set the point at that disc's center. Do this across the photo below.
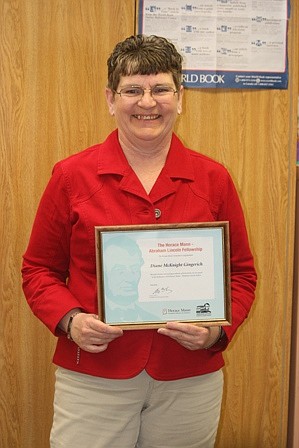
(91, 334)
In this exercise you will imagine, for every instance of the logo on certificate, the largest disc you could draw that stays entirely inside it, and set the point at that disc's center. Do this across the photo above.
(203, 309)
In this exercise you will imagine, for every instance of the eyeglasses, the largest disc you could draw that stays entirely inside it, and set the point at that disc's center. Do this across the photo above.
(157, 92)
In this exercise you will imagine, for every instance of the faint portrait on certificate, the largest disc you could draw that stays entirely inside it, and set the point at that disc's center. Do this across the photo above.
(123, 264)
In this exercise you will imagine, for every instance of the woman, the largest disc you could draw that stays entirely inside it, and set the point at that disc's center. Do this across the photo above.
(143, 388)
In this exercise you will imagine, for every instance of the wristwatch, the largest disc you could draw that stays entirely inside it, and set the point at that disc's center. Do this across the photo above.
(69, 325)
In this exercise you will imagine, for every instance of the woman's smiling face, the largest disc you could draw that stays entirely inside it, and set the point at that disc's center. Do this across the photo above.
(146, 119)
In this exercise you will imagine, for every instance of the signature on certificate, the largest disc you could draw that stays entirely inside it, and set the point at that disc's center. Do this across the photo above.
(163, 290)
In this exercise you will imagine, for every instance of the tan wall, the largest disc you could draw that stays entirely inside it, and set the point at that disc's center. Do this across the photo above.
(53, 73)
(293, 436)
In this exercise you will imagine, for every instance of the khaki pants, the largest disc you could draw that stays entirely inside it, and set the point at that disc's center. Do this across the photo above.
(92, 412)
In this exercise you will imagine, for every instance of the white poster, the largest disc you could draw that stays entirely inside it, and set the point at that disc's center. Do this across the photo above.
(225, 43)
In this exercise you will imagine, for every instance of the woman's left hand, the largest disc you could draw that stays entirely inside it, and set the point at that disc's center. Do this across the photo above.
(190, 336)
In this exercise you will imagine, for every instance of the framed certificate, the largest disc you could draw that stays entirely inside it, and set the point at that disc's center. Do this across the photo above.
(148, 275)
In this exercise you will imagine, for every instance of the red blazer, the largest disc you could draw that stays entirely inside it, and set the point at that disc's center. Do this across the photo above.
(98, 187)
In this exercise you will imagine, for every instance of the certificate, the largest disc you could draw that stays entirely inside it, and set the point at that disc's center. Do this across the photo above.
(148, 275)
